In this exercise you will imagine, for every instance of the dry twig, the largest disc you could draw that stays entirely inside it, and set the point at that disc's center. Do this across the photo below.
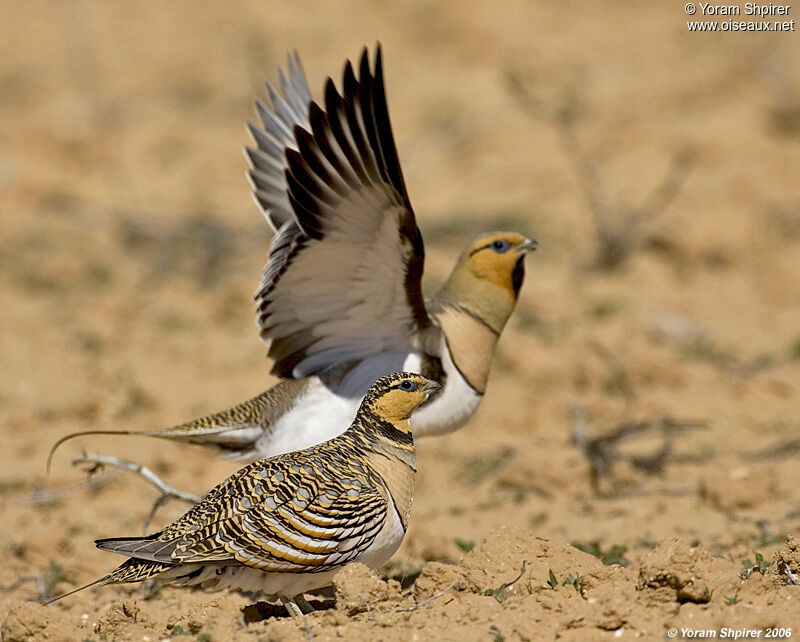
(519, 575)
(409, 609)
(601, 451)
(792, 577)
(49, 496)
(786, 448)
(96, 462)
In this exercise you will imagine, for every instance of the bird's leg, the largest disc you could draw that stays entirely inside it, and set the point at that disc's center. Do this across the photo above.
(291, 607)
(301, 601)
(96, 461)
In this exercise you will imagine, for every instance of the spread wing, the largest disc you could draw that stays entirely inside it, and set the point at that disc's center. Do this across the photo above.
(282, 514)
(343, 280)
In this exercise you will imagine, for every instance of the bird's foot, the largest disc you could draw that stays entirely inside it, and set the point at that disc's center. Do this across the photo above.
(301, 602)
(291, 606)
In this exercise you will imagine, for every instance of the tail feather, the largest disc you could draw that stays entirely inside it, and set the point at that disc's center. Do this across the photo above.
(102, 581)
(149, 548)
(81, 434)
(132, 570)
(235, 429)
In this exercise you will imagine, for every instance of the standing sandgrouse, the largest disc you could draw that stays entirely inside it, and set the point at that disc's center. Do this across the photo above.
(340, 302)
(285, 525)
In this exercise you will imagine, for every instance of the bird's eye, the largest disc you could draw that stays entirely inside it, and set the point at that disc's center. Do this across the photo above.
(408, 386)
(500, 246)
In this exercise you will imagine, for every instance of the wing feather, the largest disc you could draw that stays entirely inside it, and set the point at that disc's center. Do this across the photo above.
(267, 173)
(343, 280)
(286, 514)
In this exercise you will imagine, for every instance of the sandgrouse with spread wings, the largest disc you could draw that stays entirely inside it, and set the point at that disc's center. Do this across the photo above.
(285, 525)
(340, 302)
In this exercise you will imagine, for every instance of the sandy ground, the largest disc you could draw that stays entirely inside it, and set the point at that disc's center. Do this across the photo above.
(130, 248)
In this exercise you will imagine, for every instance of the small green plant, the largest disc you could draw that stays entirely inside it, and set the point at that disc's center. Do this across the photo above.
(500, 593)
(706, 596)
(759, 566)
(614, 555)
(703, 349)
(178, 630)
(794, 351)
(465, 545)
(732, 599)
(523, 638)
(537, 519)
(53, 576)
(603, 309)
(576, 582)
(765, 538)
(498, 637)
(552, 580)
(406, 574)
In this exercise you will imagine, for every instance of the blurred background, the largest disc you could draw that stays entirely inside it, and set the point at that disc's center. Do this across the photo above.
(651, 372)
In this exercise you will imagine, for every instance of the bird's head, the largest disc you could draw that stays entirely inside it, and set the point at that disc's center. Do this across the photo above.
(394, 397)
(488, 276)
(499, 258)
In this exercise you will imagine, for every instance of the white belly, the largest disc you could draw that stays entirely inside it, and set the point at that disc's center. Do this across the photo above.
(386, 542)
(321, 413)
(451, 408)
(317, 416)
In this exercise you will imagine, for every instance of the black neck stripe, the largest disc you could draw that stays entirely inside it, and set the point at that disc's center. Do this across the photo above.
(399, 436)
(474, 316)
(463, 376)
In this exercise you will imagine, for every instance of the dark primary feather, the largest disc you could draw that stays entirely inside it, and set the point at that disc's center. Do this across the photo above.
(352, 252)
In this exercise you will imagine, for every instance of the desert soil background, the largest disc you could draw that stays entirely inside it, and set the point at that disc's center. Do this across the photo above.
(130, 248)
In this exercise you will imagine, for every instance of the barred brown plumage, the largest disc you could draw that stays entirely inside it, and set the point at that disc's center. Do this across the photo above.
(285, 525)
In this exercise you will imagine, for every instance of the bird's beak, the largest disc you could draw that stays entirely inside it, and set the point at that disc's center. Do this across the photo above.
(431, 387)
(528, 245)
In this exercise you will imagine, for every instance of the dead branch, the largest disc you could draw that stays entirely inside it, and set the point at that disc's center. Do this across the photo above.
(518, 577)
(601, 451)
(49, 496)
(95, 462)
(409, 609)
(786, 448)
